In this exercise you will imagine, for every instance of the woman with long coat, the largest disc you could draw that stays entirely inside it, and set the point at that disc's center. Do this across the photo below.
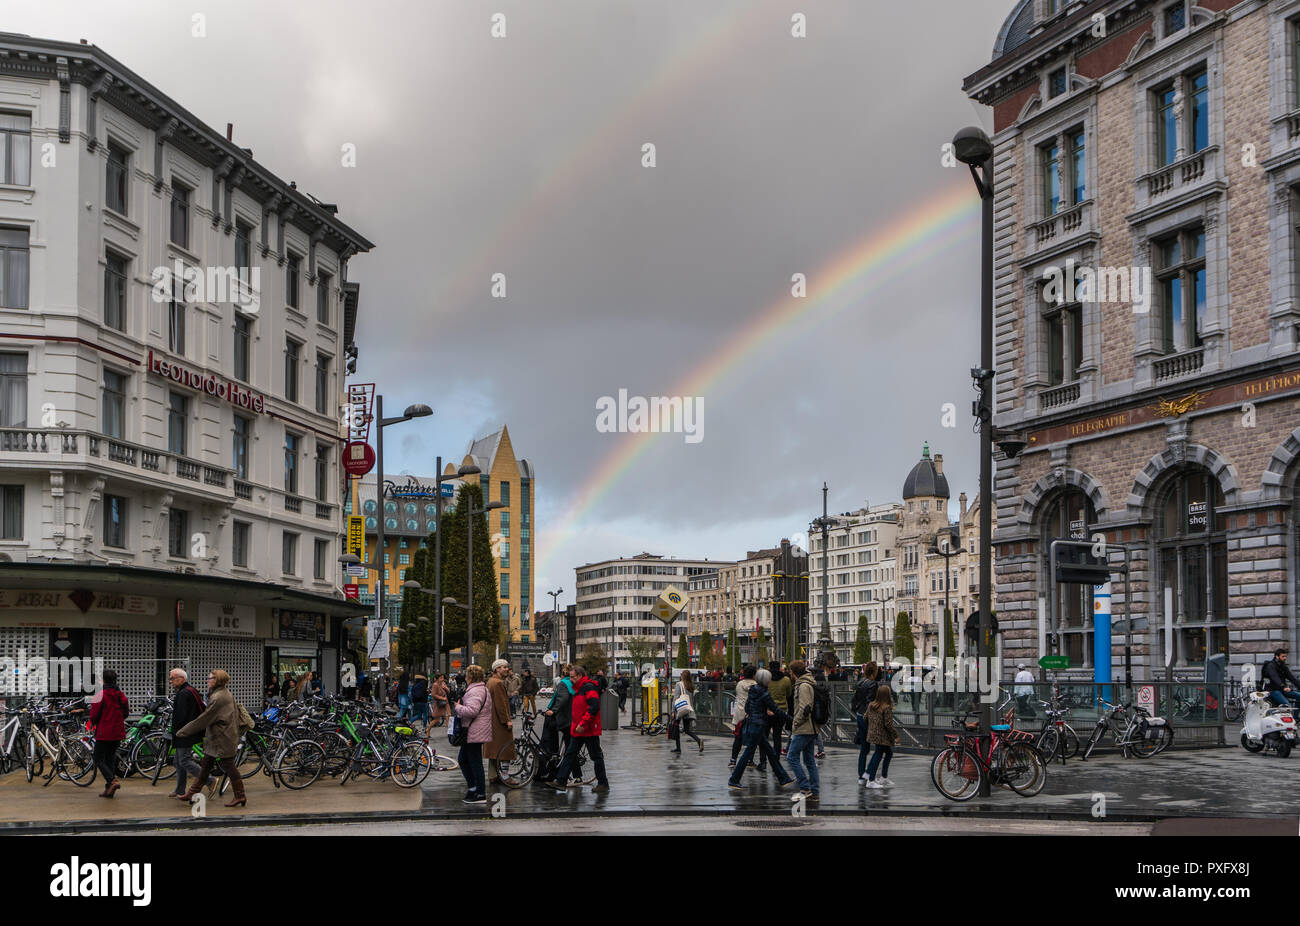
(502, 747)
(438, 695)
(219, 724)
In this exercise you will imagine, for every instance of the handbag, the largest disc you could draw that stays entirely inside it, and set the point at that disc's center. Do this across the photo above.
(682, 706)
(457, 732)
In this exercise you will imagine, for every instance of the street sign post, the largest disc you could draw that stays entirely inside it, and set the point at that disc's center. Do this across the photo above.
(1054, 662)
(358, 458)
(669, 604)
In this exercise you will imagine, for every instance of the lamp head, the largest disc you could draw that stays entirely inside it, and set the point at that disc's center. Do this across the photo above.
(972, 146)
(469, 469)
(411, 584)
(349, 559)
(418, 410)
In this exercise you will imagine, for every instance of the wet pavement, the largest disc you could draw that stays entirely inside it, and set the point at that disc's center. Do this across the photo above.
(647, 780)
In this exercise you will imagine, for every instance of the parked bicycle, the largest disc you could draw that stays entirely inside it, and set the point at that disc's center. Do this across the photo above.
(960, 769)
(1135, 731)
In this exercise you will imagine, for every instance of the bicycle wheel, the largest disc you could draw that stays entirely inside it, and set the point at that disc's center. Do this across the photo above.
(410, 764)
(151, 754)
(443, 763)
(78, 765)
(299, 764)
(519, 771)
(1097, 733)
(248, 760)
(1071, 742)
(338, 749)
(33, 760)
(1146, 746)
(1023, 769)
(1048, 743)
(956, 773)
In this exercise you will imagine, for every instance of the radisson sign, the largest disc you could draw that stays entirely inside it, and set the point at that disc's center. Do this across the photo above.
(232, 392)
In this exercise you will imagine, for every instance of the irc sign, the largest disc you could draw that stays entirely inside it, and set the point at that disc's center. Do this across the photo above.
(232, 392)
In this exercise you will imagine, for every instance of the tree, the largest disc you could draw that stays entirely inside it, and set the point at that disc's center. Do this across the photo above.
(729, 651)
(705, 660)
(789, 648)
(950, 631)
(683, 652)
(417, 635)
(760, 648)
(862, 645)
(455, 570)
(904, 645)
(642, 651)
(593, 657)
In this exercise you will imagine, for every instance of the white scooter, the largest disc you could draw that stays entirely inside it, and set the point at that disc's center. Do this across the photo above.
(1267, 726)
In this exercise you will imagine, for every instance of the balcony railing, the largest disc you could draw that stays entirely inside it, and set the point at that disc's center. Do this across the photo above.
(100, 448)
(293, 503)
(1179, 175)
(1061, 225)
(1178, 365)
(1058, 396)
(243, 490)
(324, 510)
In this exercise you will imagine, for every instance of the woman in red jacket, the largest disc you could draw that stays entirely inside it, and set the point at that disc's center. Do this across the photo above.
(108, 711)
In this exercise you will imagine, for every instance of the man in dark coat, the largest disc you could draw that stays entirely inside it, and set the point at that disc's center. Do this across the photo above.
(187, 704)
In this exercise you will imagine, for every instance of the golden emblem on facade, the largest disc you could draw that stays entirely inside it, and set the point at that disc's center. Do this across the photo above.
(1176, 408)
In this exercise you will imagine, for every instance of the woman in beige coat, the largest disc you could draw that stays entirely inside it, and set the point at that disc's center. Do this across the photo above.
(502, 747)
(219, 724)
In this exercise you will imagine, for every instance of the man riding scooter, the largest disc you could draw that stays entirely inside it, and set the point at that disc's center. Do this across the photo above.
(1282, 686)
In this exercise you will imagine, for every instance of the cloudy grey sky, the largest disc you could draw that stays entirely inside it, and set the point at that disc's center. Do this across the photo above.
(522, 155)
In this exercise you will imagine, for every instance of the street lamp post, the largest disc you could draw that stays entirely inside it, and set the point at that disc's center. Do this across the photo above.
(825, 644)
(947, 553)
(973, 148)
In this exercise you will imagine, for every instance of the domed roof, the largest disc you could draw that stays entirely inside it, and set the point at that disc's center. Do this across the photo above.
(925, 480)
(1015, 31)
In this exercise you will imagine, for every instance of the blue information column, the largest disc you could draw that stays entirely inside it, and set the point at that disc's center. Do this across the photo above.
(1101, 639)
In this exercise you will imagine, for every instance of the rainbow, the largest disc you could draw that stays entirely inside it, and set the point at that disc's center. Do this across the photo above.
(862, 268)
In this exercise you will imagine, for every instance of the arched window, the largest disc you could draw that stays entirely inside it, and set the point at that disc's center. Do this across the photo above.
(1070, 516)
(1192, 565)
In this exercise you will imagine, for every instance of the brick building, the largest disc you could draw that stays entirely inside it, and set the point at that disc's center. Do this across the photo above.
(1151, 149)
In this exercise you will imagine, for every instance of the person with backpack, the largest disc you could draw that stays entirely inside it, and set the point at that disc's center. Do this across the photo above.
(420, 700)
(684, 712)
(528, 688)
(108, 712)
(474, 710)
(760, 709)
(514, 689)
(220, 724)
(187, 704)
(584, 732)
(805, 732)
(555, 728)
(882, 731)
(403, 695)
(738, 711)
(825, 670)
(863, 694)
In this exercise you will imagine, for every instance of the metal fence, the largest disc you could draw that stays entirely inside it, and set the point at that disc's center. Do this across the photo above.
(1195, 710)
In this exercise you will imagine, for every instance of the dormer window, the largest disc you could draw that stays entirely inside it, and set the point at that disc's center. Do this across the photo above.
(1175, 18)
(1057, 83)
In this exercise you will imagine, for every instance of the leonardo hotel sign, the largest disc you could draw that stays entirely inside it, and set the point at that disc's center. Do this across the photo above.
(232, 392)
(1237, 394)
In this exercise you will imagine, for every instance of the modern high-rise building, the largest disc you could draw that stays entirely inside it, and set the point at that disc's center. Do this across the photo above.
(860, 575)
(174, 323)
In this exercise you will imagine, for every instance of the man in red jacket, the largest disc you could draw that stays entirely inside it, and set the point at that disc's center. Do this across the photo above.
(108, 712)
(585, 730)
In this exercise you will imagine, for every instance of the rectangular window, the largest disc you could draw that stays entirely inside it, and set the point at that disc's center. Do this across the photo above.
(11, 512)
(15, 149)
(180, 215)
(113, 404)
(505, 585)
(178, 533)
(13, 390)
(1199, 89)
(289, 554)
(1166, 127)
(505, 493)
(291, 463)
(1175, 18)
(322, 384)
(239, 543)
(291, 280)
(1056, 83)
(505, 524)
(14, 267)
(1050, 159)
(243, 346)
(243, 431)
(176, 319)
(115, 291)
(504, 561)
(291, 351)
(320, 556)
(324, 282)
(178, 420)
(243, 250)
(116, 179)
(114, 521)
(1182, 282)
(1078, 167)
(322, 473)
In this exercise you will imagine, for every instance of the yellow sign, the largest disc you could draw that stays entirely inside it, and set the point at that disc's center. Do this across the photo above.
(669, 604)
(357, 536)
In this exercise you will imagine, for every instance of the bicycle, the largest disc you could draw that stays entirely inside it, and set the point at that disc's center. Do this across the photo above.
(657, 726)
(1057, 737)
(960, 769)
(406, 761)
(71, 758)
(1134, 730)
